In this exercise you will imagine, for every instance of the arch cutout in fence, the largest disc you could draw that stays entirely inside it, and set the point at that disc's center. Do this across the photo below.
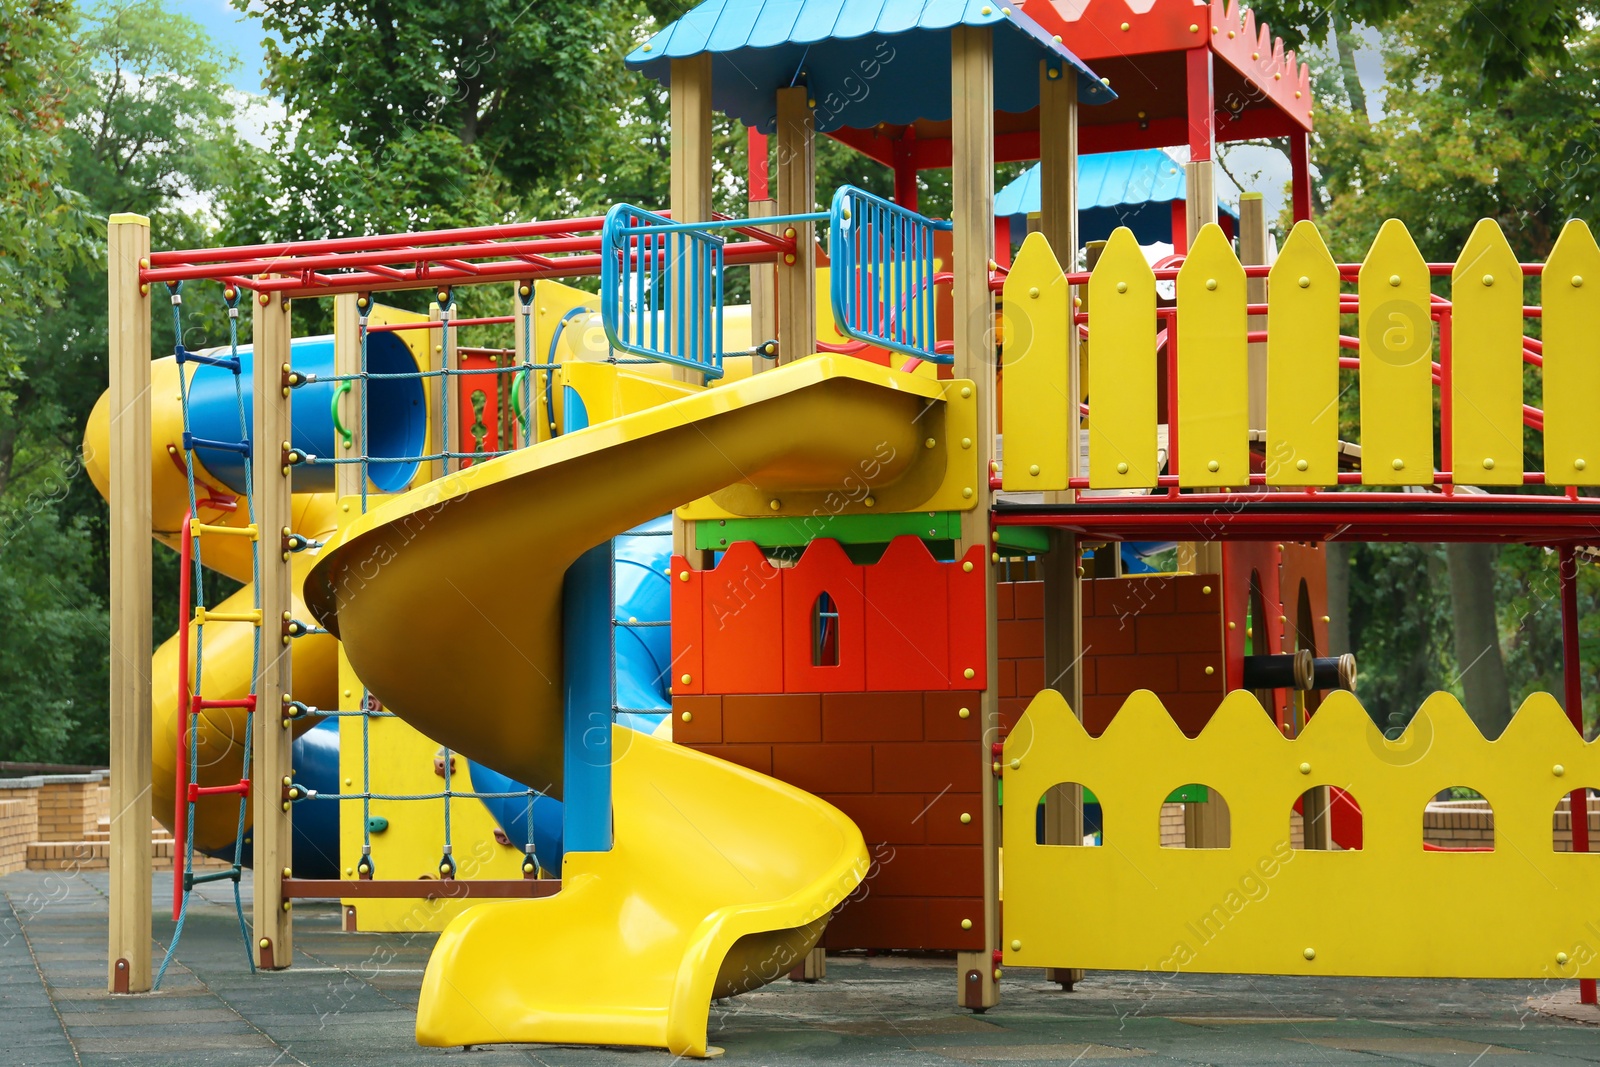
(1264, 906)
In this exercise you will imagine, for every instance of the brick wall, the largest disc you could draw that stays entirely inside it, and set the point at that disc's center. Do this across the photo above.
(904, 766)
(19, 823)
(69, 807)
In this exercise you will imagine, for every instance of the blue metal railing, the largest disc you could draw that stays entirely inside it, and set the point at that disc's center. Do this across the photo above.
(883, 273)
(661, 289)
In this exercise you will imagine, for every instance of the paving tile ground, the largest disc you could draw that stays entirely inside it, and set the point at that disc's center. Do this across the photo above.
(350, 1000)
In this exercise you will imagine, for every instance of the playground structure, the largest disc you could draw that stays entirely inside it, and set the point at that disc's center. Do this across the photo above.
(429, 530)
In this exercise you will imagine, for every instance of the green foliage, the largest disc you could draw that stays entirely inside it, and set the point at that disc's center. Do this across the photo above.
(1499, 42)
(42, 229)
(142, 122)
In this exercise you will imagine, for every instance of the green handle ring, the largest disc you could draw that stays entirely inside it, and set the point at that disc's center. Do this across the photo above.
(333, 409)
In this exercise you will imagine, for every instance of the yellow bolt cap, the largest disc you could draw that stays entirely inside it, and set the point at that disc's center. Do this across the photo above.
(966, 924)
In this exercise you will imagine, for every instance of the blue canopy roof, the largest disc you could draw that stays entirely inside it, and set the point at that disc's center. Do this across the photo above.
(1133, 189)
(864, 61)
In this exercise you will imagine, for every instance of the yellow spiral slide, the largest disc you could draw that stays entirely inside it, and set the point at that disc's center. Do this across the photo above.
(449, 602)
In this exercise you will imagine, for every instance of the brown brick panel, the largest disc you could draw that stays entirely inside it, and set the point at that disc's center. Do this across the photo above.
(773, 719)
(913, 923)
(1028, 598)
(926, 767)
(704, 725)
(874, 716)
(942, 721)
(835, 768)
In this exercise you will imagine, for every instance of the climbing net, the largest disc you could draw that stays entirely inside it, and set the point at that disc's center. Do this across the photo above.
(193, 608)
(476, 372)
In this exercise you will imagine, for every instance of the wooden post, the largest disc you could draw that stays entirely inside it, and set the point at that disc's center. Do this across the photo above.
(690, 96)
(533, 388)
(763, 294)
(1201, 178)
(1063, 593)
(128, 360)
(347, 360)
(691, 153)
(1253, 252)
(443, 428)
(971, 210)
(274, 945)
(797, 195)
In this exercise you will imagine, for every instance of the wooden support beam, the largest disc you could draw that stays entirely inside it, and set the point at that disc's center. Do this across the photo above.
(347, 360)
(691, 153)
(690, 98)
(971, 210)
(1063, 590)
(1201, 178)
(797, 195)
(128, 359)
(1253, 252)
(763, 293)
(273, 943)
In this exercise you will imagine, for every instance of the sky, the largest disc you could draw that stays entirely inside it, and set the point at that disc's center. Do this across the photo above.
(234, 32)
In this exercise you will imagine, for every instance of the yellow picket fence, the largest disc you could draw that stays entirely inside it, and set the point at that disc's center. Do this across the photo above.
(1261, 905)
(1405, 336)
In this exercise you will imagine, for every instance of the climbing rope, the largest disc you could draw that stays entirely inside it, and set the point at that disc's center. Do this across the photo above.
(191, 699)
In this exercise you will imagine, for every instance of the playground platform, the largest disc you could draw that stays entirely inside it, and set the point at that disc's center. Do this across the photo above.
(351, 1000)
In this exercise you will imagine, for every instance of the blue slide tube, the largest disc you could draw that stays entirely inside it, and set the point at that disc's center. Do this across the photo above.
(397, 414)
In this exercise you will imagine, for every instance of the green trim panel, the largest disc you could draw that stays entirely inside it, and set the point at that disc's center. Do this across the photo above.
(798, 531)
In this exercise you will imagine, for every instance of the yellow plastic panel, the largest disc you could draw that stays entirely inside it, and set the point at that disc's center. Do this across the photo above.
(1396, 362)
(1572, 358)
(1261, 906)
(1303, 362)
(1122, 368)
(943, 476)
(1041, 424)
(1486, 361)
(1213, 365)
(609, 391)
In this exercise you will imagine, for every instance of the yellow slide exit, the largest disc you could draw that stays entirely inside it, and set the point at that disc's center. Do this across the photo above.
(448, 601)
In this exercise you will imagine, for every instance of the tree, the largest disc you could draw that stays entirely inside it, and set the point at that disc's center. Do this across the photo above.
(142, 122)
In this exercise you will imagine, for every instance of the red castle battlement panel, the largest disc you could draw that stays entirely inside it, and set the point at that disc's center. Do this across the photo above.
(907, 623)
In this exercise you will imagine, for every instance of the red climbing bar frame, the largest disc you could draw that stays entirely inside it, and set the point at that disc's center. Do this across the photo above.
(560, 248)
(180, 789)
(1572, 684)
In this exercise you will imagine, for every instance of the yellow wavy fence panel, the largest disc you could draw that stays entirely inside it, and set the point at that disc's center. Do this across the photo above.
(1262, 906)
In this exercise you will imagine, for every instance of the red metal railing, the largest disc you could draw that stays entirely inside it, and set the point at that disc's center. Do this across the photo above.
(558, 248)
(1442, 313)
